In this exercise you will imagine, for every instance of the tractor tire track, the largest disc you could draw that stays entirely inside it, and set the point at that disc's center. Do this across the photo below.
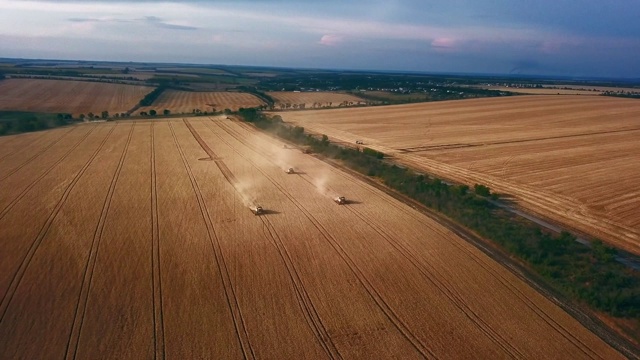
(358, 273)
(34, 156)
(438, 281)
(304, 300)
(443, 286)
(500, 278)
(24, 264)
(156, 281)
(232, 300)
(212, 156)
(302, 296)
(87, 279)
(42, 133)
(533, 306)
(13, 202)
(448, 226)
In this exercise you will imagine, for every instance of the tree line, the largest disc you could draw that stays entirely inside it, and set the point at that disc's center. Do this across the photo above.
(14, 122)
(148, 99)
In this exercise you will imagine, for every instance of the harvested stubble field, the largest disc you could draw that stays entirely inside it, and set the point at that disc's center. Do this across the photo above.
(134, 240)
(184, 102)
(67, 96)
(313, 99)
(573, 159)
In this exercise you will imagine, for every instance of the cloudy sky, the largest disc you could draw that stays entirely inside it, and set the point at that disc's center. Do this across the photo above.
(548, 37)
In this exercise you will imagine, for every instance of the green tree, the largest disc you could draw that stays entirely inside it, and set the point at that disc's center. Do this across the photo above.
(104, 114)
(166, 111)
(325, 140)
(482, 190)
(60, 120)
(602, 252)
(152, 112)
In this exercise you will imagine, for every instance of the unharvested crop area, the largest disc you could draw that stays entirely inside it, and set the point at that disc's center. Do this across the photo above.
(73, 97)
(134, 239)
(314, 99)
(569, 158)
(179, 102)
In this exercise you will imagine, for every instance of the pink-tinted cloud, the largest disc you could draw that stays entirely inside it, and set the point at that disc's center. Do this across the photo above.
(444, 43)
(330, 40)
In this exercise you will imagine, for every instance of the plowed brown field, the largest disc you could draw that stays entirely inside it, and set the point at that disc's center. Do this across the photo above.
(65, 96)
(184, 102)
(314, 99)
(132, 240)
(573, 159)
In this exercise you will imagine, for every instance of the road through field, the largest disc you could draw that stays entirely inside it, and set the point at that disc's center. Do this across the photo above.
(141, 245)
(571, 159)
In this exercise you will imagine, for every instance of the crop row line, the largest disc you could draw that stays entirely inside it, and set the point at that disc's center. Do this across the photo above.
(37, 154)
(304, 300)
(223, 271)
(87, 278)
(156, 279)
(359, 274)
(26, 260)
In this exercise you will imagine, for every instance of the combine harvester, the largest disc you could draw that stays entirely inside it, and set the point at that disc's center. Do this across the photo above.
(291, 171)
(340, 200)
(256, 210)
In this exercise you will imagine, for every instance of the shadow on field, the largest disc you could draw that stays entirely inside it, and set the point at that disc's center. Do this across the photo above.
(507, 200)
(269, 212)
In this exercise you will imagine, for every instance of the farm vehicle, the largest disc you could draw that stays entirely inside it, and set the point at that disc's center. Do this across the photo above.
(340, 200)
(257, 210)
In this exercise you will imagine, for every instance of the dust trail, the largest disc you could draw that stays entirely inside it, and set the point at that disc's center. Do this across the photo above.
(282, 157)
(321, 183)
(245, 188)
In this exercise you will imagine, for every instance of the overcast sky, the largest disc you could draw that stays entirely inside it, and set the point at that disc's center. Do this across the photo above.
(548, 37)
